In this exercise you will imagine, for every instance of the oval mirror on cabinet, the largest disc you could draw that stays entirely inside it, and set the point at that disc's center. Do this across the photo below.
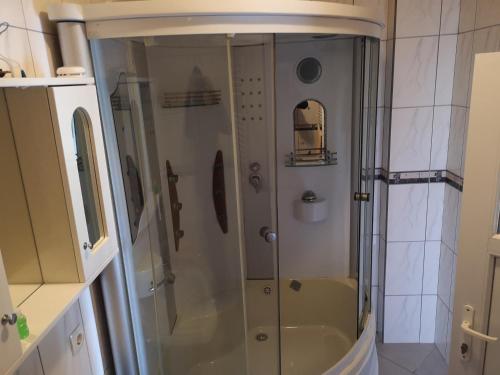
(87, 174)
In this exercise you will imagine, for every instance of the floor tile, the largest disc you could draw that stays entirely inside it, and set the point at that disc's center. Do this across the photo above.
(409, 356)
(434, 364)
(386, 367)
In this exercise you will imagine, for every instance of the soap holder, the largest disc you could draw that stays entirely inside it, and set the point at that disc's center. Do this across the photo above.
(310, 208)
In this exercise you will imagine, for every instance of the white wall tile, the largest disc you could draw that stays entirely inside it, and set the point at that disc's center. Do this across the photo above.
(445, 72)
(12, 12)
(435, 212)
(411, 133)
(450, 213)
(452, 287)
(463, 62)
(407, 212)
(487, 40)
(35, 13)
(428, 319)
(441, 336)
(445, 273)
(448, 338)
(417, 18)
(488, 13)
(404, 268)
(46, 55)
(456, 139)
(450, 13)
(415, 72)
(467, 15)
(440, 136)
(15, 46)
(402, 319)
(431, 267)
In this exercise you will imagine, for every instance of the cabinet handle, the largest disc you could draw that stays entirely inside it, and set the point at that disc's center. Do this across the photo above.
(9, 319)
(88, 245)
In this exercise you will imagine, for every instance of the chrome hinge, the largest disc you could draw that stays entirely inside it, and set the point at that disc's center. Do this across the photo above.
(363, 197)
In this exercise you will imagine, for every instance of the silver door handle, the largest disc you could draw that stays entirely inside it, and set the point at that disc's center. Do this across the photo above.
(268, 234)
(9, 319)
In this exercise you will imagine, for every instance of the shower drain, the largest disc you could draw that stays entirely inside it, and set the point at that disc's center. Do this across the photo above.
(261, 337)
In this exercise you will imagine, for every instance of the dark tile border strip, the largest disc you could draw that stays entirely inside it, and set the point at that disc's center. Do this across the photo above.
(419, 177)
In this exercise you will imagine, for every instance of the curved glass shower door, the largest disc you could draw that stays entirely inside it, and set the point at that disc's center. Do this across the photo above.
(247, 166)
(169, 101)
(325, 195)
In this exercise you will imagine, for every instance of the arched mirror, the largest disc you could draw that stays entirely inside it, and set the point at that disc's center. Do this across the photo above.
(309, 133)
(82, 141)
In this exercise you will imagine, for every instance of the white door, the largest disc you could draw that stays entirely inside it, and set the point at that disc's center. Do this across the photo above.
(77, 125)
(477, 296)
(10, 344)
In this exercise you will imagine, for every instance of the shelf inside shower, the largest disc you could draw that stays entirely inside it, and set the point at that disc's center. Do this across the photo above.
(328, 158)
(191, 98)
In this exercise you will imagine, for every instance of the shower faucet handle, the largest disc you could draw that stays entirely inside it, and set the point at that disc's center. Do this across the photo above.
(268, 234)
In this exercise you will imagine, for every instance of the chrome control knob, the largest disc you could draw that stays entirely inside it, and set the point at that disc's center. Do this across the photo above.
(268, 234)
(9, 319)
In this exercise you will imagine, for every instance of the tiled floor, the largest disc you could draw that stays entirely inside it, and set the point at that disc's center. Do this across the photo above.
(407, 359)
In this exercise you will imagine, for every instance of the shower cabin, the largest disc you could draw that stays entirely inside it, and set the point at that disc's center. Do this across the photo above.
(242, 167)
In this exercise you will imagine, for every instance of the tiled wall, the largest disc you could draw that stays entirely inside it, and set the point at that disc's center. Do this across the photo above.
(424, 39)
(479, 31)
(31, 38)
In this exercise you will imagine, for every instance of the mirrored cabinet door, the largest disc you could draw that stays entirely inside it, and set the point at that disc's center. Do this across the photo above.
(79, 138)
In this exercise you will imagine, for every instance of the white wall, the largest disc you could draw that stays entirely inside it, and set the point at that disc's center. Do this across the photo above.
(424, 39)
(31, 40)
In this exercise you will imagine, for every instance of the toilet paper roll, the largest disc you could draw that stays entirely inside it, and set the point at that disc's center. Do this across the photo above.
(311, 212)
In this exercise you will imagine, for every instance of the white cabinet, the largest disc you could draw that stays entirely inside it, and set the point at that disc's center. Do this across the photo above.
(58, 136)
(82, 158)
(10, 345)
(58, 179)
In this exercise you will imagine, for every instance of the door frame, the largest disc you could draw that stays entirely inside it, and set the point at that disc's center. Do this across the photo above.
(479, 242)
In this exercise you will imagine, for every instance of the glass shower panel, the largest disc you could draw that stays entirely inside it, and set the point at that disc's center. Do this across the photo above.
(179, 171)
(318, 293)
(368, 50)
(252, 58)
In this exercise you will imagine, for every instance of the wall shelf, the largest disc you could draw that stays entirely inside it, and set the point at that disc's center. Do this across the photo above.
(45, 82)
(44, 308)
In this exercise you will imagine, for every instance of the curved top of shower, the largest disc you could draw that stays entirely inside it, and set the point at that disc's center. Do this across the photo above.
(161, 17)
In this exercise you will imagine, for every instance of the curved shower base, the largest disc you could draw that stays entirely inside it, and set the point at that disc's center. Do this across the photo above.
(318, 334)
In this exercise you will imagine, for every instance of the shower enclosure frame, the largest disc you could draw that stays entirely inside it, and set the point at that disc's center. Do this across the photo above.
(197, 17)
